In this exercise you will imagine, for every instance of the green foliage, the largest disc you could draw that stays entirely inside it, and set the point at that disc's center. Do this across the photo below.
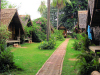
(4, 34)
(39, 29)
(42, 7)
(71, 13)
(88, 62)
(69, 36)
(4, 4)
(74, 35)
(82, 42)
(77, 45)
(6, 60)
(58, 34)
(47, 44)
(53, 16)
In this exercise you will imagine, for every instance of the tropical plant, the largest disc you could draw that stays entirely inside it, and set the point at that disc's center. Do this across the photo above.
(42, 7)
(88, 62)
(4, 34)
(47, 44)
(59, 4)
(6, 60)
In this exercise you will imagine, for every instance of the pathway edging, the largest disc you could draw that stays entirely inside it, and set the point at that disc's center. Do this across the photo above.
(53, 65)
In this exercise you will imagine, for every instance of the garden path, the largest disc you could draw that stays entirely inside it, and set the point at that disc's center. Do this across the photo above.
(53, 66)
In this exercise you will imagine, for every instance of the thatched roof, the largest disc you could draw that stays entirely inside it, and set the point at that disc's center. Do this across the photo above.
(82, 18)
(94, 8)
(61, 27)
(26, 20)
(91, 4)
(9, 15)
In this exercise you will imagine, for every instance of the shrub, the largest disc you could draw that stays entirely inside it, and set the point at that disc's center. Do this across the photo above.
(6, 60)
(47, 44)
(59, 34)
(74, 35)
(69, 36)
(77, 45)
(88, 62)
(83, 42)
(4, 34)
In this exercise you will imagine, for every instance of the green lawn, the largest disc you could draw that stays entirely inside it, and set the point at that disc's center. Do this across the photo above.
(70, 60)
(30, 58)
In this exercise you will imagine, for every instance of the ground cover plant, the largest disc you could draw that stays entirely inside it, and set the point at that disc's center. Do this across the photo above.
(78, 59)
(70, 60)
(29, 58)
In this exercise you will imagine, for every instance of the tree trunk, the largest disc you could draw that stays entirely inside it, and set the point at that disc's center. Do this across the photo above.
(0, 12)
(48, 20)
(57, 18)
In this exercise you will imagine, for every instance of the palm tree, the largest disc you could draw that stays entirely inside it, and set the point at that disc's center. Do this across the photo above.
(48, 19)
(60, 4)
(42, 7)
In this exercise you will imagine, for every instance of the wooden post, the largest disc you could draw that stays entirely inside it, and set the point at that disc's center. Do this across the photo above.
(48, 19)
(19, 35)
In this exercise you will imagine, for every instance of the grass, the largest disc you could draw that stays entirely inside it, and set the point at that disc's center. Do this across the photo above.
(30, 59)
(70, 60)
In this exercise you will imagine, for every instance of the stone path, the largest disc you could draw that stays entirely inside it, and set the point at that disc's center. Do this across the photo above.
(53, 66)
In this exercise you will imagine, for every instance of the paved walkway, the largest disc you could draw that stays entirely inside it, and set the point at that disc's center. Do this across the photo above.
(53, 66)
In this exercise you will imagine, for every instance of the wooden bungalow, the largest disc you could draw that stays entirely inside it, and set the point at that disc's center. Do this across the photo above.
(94, 18)
(26, 21)
(11, 19)
(61, 27)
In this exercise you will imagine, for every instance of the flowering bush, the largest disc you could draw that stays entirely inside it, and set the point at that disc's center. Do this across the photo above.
(39, 29)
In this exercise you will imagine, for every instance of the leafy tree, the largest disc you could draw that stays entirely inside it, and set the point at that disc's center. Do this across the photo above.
(42, 7)
(4, 4)
(59, 4)
(53, 15)
(70, 14)
(11, 6)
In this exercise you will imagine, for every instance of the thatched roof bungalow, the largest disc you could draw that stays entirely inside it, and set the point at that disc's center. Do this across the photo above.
(61, 27)
(11, 19)
(26, 21)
